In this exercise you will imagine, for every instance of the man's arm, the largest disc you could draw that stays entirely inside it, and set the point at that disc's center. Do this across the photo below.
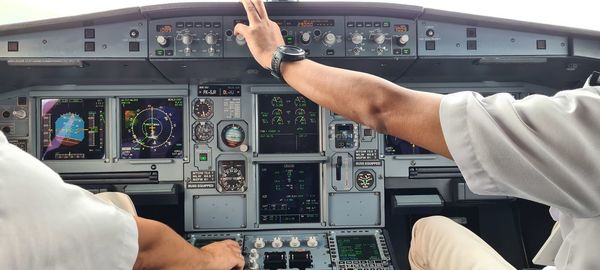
(361, 97)
(161, 248)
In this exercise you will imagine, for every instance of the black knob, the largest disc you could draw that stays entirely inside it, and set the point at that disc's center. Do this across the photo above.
(6, 129)
(134, 33)
(6, 114)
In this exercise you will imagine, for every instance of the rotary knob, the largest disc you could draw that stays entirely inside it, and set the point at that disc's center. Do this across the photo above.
(211, 39)
(294, 243)
(312, 242)
(259, 243)
(253, 254)
(403, 39)
(378, 38)
(187, 39)
(305, 38)
(240, 40)
(329, 39)
(277, 243)
(357, 38)
(20, 114)
(252, 264)
(162, 41)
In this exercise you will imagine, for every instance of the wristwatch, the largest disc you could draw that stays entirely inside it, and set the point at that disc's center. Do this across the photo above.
(285, 53)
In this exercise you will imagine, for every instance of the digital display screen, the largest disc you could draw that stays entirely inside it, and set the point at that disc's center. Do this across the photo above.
(72, 128)
(395, 146)
(400, 28)
(359, 247)
(164, 28)
(219, 90)
(287, 123)
(289, 193)
(151, 128)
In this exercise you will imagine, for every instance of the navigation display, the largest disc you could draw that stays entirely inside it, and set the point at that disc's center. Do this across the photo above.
(72, 128)
(289, 193)
(360, 247)
(395, 146)
(151, 128)
(287, 123)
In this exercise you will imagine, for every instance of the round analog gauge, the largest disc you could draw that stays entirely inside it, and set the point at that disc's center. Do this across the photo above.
(365, 180)
(233, 135)
(204, 132)
(204, 108)
(232, 178)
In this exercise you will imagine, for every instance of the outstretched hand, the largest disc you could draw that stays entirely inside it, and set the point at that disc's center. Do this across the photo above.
(262, 35)
(223, 255)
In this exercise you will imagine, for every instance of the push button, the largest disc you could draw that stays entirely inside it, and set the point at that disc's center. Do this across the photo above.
(89, 46)
(134, 46)
(13, 46)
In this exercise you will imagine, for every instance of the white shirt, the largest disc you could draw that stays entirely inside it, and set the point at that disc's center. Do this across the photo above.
(47, 224)
(544, 149)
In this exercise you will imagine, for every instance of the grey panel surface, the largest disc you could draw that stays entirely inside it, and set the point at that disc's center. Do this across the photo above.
(355, 209)
(219, 212)
(110, 41)
(451, 40)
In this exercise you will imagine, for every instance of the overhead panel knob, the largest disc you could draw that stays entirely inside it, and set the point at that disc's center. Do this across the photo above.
(240, 40)
(329, 39)
(259, 243)
(379, 38)
(312, 242)
(276, 243)
(211, 39)
(294, 243)
(162, 41)
(187, 39)
(357, 38)
(403, 39)
(305, 38)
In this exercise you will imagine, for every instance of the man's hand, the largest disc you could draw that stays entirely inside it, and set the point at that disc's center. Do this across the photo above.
(262, 35)
(221, 255)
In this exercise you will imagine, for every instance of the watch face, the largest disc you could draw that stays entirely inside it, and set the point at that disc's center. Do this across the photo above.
(291, 50)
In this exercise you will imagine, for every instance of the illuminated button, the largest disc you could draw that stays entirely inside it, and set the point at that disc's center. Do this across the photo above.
(350, 24)
(207, 25)
(360, 24)
(203, 157)
(169, 52)
(198, 24)
(368, 24)
(216, 25)
(13, 46)
(430, 45)
(386, 24)
(89, 33)
(471, 32)
(89, 46)
(179, 24)
(541, 44)
(406, 51)
(377, 24)
(159, 52)
(289, 40)
(189, 24)
(134, 46)
(471, 45)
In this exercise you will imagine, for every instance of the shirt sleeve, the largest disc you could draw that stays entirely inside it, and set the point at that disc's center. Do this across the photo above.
(539, 148)
(48, 224)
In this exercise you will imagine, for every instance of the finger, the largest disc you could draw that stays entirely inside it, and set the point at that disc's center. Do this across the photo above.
(260, 8)
(251, 11)
(240, 29)
(240, 263)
